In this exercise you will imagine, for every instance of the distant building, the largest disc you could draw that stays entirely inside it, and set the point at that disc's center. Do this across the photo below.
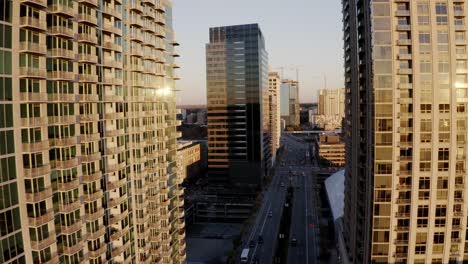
(330, 108)
(238, 112)
(188, 159)
(274, 83)
(201, 117)
(289, 98)
(331, 149)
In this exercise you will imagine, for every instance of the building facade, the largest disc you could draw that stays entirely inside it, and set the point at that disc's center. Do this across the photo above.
(289, 98)
(406, 94)
(238, 112)
(88, 133)
(189, 155)
(274, 84)
(331, 150)
(331, 103)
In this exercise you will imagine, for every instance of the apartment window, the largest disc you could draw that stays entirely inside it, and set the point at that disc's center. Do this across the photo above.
(439, 237)
(423, 213)
(441, 13)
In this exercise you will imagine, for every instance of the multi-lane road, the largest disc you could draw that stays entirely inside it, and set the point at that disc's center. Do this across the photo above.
(295, 169)
(304, 221)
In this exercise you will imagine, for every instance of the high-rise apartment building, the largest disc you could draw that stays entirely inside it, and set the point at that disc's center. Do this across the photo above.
(331, 108)
(238, 118)
(88, 133)
(289, 98)
(274, 84)
(406, 113)
(331, 102)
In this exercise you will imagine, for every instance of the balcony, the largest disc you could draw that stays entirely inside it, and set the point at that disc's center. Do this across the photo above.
(91, 217)
(62, 31)
(112, 46)
(111, 185)
(459, 13)
(87, 38)
(89, 118)
(41, 220)
(30, 72)
(87, 78)
(114, 133)
(91, 157)
(160, 7)
(61, 75)
(92, 177)
(61, 53)
(62, 119)
(84, 57)
(134, 5)
(97, 253)
(69, 229)
(404, 13)
(34, 121)
(70, 250)
(91, 2)
(34, 23)
(40, 245)
(86, 18)
(39, 196)
(32, 47)
(93, 197)
(33, 97)
(404, 42)
(64, 164)
(404, 56)
(62, 9)
(403, 27)
(115, 167)
(40, 3)
(70, 207)
(35, 146)
(460, 27)
(405, 71)
(68, 186)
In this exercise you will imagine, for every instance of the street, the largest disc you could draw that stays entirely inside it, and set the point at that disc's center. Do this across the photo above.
(293, 169)
(304, 218)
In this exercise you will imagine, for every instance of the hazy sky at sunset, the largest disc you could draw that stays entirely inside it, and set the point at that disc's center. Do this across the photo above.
(298, 33)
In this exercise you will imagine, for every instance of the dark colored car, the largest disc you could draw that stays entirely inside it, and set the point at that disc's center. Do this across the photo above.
(251, 244)
(260, 239)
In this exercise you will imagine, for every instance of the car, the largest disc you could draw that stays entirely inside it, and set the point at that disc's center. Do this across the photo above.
(294, 241)
(252, 243)
(260, 240)
(270, 214)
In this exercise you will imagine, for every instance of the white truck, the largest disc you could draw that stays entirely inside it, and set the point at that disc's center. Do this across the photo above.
(245, 255)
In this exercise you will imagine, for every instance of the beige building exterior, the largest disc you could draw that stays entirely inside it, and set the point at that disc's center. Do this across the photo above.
(88, 137)
(330, 108)
(332, 150)
(406, 118)
(274, 83)
(289, 102)
(188, 153)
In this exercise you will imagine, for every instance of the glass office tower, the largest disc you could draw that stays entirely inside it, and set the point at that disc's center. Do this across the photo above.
(238, 113)
(406, 118)
(88, 133)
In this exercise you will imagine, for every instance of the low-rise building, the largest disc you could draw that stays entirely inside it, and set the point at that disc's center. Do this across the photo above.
(188, 159)
(331, 150)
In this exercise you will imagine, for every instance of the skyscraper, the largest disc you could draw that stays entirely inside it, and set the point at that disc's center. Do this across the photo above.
(88, 133)
(406, 95)
(289, 97)
(238, 118)
(274, 83)
(330, 108)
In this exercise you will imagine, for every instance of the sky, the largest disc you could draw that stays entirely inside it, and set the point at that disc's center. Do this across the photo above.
(299, 34)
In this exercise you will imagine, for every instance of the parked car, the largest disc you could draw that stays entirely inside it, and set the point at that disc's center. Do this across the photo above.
(260, 240)
(252, 243)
